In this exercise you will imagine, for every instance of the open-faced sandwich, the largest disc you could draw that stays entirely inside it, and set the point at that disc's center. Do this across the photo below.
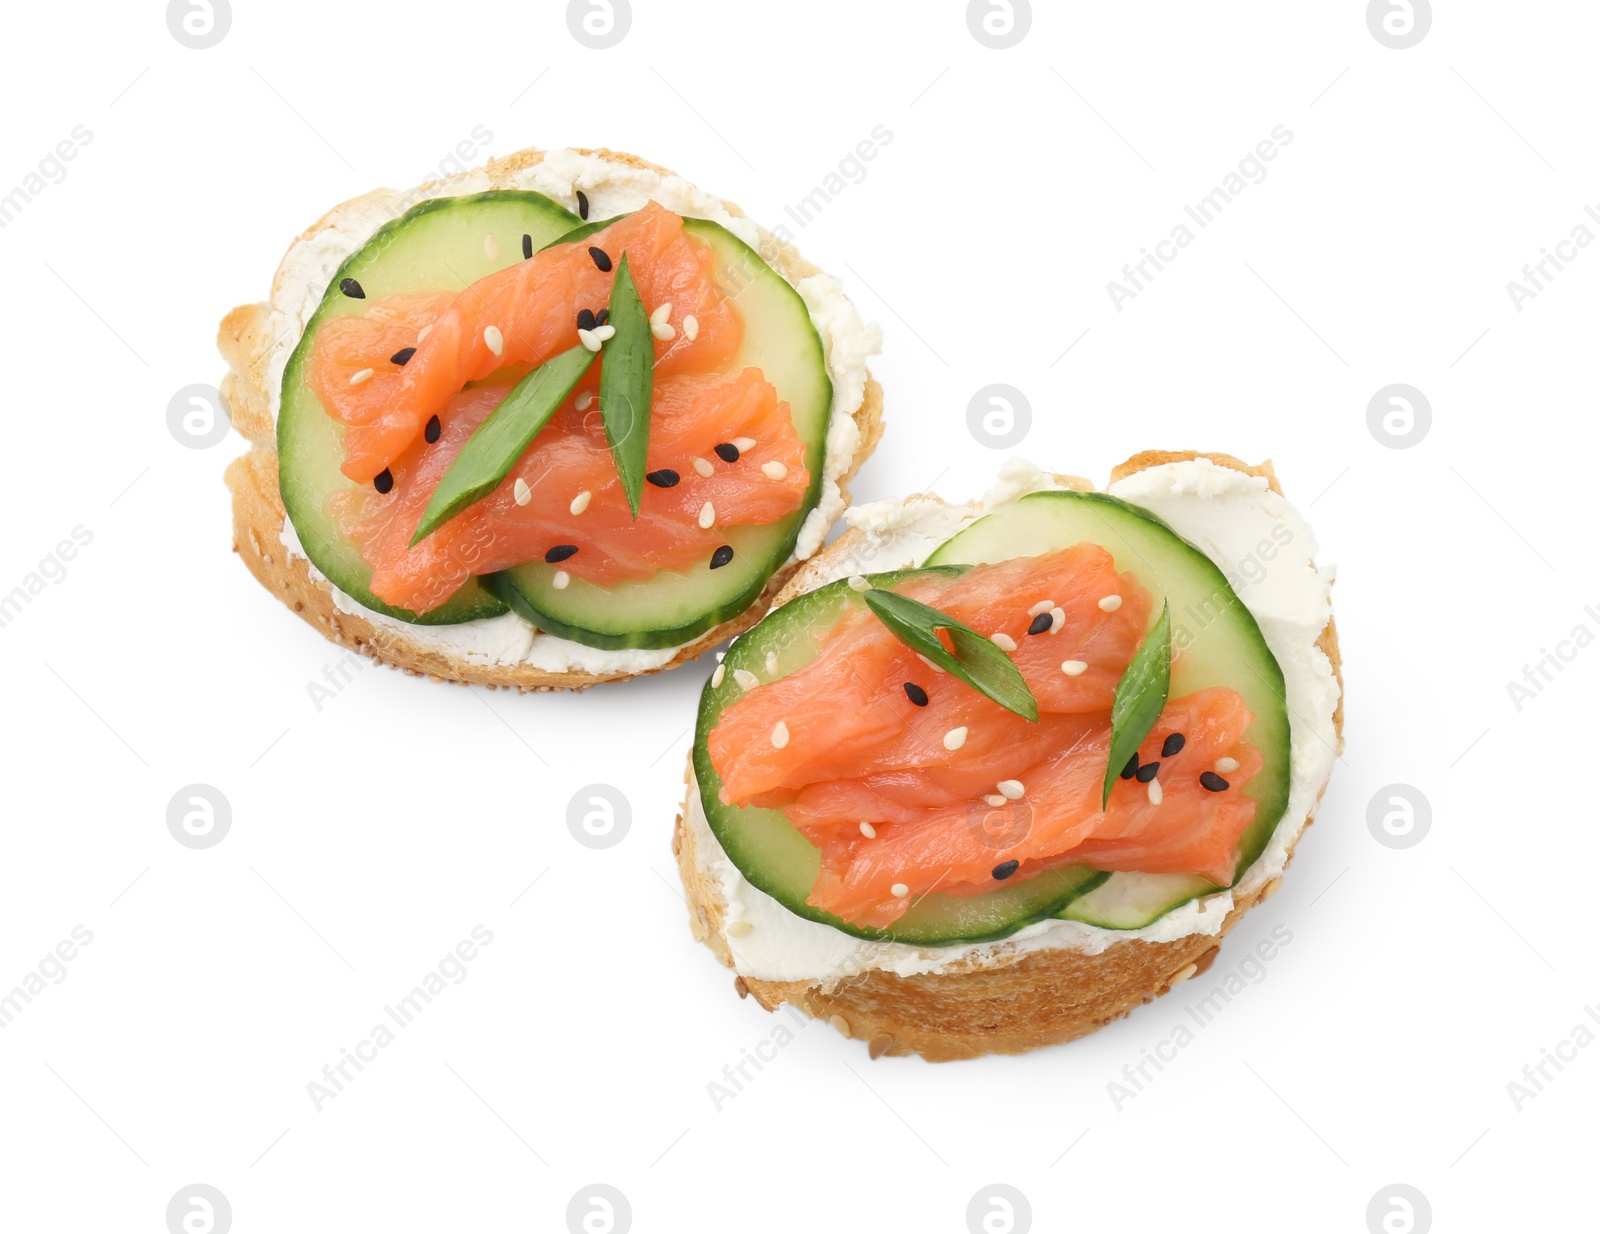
(989, 776)
(556, 421)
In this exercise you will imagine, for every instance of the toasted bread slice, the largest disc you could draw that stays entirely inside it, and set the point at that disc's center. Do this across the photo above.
(1000, 1003)
(248, 343)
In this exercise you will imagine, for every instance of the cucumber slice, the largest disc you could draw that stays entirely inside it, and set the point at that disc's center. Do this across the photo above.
(1217, 642)
(1132, 901)
(670, 609)
(775, 857)
(437, 245)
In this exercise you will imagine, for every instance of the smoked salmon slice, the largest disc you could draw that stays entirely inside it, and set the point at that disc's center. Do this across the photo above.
(569, 468)
(522, 315)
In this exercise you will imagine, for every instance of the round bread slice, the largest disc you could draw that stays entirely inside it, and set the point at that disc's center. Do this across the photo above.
(1003, 1003)
(248, 341)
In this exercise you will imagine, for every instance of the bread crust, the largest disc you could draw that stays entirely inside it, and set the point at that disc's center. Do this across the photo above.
(258, 515)
(1012, 1003)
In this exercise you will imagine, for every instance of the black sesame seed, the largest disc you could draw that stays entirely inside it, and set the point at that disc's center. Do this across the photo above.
(527, 247)
(431, 433)
(1132, 769)
(665, 478)
(1171, 745)
(603, 316)
(1147, 773)
(722, 557)
(916, 694)
(1005, 869)
(402, 356)
(383, 481)
(728, 452)
(1212, 782)
(560, 553)
(583, 206)
(1041, 623)
(586, 319)
(602, 259)
(352, 289)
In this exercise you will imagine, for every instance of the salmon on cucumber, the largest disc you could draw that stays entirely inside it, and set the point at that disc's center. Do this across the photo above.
(612, 428)
(1010, 732)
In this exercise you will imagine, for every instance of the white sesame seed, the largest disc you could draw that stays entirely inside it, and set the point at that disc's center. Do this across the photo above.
(994, 799)
(1042, 607)
(744, 443)
(780, 735)
(703, 468)
(522, 492)
(716, 677)
(737, 929)
(663, 313)
(662, 331)
(1154, 788)
(1073, 668)
(580, 503)
(494, 340)
(772, 663)
(745, 679)
(955, 738)
(1110, 604)
(858, 582)
(691, 327)
(1058, 618)
(900, 891)
(1003, 641)
(868, 830)
(491, 248)
(774, 470)
(560, 580)
(1225, 765)
(708, 515)
(1184, 973)
(1012, 790)
(593, 338)
(583, 400)
(357, 378)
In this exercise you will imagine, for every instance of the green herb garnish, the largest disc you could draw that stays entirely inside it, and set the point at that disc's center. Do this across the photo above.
(497, 444)
(1141, 694)
(626, 379)
(976, 660)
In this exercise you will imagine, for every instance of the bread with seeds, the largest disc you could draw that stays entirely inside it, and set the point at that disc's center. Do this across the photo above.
(786, 855)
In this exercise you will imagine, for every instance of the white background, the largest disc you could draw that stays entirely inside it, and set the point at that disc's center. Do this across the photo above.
(369, 837)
